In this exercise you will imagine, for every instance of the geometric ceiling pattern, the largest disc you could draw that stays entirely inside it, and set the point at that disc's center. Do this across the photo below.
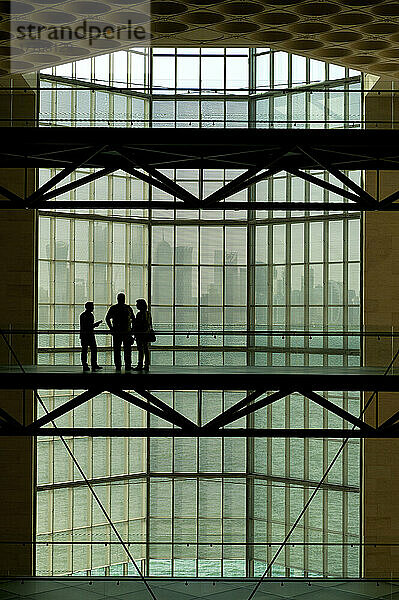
(361, 34)
(99, 588)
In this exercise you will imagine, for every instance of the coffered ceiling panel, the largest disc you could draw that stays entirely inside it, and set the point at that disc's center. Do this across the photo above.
(361, 34)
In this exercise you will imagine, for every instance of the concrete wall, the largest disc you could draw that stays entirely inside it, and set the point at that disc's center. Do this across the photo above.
(17, 309)
(381, 313)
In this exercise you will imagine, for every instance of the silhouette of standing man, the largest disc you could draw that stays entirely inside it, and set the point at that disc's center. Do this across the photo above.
(120, 320)
(87, 337)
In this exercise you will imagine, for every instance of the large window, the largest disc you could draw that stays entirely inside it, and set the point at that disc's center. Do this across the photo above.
(205, 507)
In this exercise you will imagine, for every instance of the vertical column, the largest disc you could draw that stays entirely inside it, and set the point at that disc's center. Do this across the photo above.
(17, 311)
(381, 313)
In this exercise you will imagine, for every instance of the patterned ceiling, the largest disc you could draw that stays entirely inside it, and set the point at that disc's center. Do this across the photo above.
(361, 34)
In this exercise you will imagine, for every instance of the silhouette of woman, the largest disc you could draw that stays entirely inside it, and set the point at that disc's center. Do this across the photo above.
(142, 329)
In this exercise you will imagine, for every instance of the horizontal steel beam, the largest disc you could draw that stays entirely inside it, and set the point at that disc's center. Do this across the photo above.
(225, 332)
(203, 148)
(306, 379)
(156, 205)
(163, 432)
(300, 153)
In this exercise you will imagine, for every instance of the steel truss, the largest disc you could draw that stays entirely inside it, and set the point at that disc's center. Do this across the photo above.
(259, 380)
(143, 153)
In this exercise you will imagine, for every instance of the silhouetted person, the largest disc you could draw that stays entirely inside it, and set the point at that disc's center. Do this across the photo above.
(142, 329)
(120, 320)
(88, 338)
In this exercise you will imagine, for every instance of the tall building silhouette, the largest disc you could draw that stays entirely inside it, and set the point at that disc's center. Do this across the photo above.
(162, 291)
(184, 276)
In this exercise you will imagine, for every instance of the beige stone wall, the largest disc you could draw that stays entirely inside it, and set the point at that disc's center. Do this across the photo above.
(17, 309)
(381, 313)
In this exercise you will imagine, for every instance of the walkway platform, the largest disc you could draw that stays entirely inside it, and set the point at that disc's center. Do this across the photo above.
(203, 378)
(208, 148)
(257, 153)
(261, 387)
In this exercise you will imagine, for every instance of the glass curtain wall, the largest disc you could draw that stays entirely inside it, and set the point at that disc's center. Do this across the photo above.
(202, 507)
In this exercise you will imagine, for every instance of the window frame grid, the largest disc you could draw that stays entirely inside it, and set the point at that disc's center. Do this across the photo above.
(270, 220)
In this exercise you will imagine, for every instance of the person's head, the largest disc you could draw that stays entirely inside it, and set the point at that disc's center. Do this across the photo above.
(89, 306)
(121, 298)
(141, 304)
